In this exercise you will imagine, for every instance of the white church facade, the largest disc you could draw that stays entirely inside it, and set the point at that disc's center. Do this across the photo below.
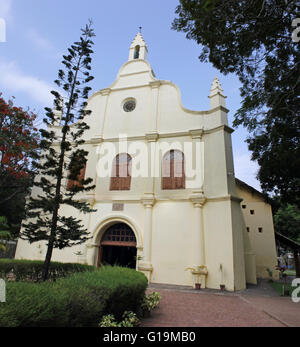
(167, 200)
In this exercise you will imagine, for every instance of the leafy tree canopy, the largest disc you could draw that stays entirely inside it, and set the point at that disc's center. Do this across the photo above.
(287, 222)
(4, 232)
(253, 39)
(18, 147)
(19, 141)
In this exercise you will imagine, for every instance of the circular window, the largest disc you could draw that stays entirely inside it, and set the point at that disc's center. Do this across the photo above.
(129, 105)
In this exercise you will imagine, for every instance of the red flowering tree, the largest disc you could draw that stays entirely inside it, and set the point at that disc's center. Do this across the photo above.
(18, 150)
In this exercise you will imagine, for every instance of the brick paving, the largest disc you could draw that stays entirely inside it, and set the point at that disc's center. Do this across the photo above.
(257, 306)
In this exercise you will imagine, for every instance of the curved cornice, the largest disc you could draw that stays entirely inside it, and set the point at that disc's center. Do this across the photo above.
(159, 83)
(206, 112)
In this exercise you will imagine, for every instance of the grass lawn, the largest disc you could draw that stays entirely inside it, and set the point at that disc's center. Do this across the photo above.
(290, 272)
(278, 286)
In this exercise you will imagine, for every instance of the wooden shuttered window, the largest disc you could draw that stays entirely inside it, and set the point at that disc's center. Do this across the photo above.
(121, 172)
(80, 177)
(173, 176)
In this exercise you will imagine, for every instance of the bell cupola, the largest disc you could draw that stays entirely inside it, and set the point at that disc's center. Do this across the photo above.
(138, 48)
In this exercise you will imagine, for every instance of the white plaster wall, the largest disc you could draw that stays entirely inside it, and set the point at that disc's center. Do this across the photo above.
(172, 242)
(159, 109)
(263, 243)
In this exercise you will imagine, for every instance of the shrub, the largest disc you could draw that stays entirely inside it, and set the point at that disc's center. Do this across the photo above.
(130, 320)
(150, 302)
(79, 300)
(31, 270)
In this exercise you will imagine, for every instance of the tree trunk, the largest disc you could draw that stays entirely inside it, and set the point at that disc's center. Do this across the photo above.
(297, 263)
(47, 261)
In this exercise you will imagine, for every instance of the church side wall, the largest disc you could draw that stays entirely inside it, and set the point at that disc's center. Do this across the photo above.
(223, 227)
(263, 243)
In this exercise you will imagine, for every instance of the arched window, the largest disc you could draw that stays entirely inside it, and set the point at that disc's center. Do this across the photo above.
(121, 172)
(173, 176)
(71, 183)
(137, 52)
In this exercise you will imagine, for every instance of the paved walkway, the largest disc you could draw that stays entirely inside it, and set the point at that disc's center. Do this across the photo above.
(257, 306)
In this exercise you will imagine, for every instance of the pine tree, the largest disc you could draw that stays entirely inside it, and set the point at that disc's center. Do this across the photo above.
(63, 157)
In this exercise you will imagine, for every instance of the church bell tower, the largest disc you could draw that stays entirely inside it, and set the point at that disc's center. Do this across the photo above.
(138, 48)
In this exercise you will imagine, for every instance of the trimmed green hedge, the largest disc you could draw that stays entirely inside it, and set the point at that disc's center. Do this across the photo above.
(79, 300)
(31, 270)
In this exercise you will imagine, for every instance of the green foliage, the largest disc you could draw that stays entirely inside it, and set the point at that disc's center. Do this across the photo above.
(109, 321)
(253, 39)
(65, 162)
(31, 270)
(79, 300)
(14, 211)
(287, 221)
(150, 302)
(4, 232)
(129, 320)
(282, 287)
(4, 228)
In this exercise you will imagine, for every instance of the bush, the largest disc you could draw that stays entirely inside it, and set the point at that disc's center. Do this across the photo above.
(31, 270)
(150, 302)
(79, 300)
(130, 320)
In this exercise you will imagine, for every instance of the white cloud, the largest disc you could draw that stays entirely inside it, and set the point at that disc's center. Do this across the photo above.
(42, 44)
(39, 41)
(13, 79)
(246, 169)
(5, 9)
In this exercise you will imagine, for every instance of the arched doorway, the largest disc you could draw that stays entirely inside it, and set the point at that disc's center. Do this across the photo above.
(118, 246)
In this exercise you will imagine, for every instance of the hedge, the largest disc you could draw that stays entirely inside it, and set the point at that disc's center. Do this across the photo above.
(31, 270)
(79, 300)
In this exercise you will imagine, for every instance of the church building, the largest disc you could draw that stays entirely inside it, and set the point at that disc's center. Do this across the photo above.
(166, 198)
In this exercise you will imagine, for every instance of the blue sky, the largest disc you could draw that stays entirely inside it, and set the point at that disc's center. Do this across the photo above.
(38, 32)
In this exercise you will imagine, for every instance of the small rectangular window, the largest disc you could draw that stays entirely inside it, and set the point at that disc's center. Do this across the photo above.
(251, 211)
(260, 230)
(243, 206)
(248, 229)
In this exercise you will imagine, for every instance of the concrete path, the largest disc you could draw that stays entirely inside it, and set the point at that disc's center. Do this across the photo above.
(258, 306)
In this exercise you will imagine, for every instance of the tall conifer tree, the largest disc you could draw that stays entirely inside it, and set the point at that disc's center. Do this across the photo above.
(63, 157)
